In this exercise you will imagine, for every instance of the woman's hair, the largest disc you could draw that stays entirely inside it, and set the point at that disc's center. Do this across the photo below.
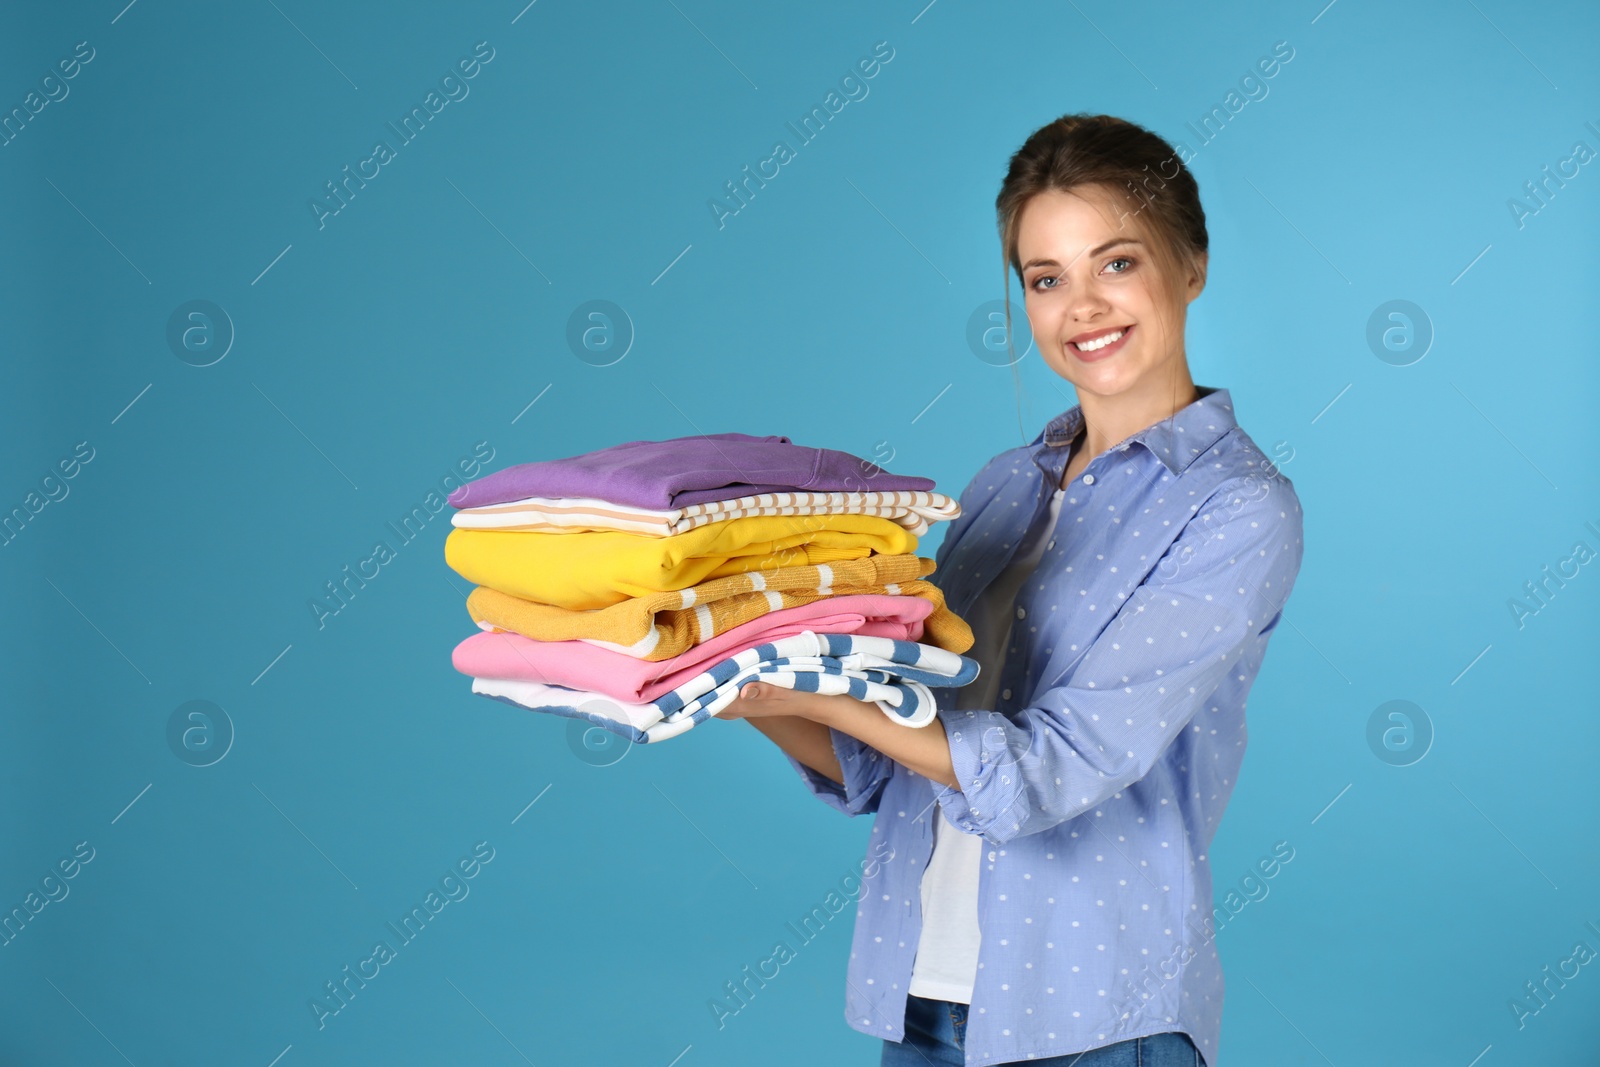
(1080, 149)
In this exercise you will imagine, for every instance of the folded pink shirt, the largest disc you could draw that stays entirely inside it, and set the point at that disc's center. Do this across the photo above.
(581, 665)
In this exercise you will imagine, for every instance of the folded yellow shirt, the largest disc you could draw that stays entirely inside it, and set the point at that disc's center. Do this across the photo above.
(595, 569)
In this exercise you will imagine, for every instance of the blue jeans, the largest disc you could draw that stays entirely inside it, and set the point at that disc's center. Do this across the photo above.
(936, 1032)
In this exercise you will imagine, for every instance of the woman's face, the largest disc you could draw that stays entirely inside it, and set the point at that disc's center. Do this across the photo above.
(1089, 276)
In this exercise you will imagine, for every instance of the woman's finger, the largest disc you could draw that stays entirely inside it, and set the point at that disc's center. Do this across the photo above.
(757, 699)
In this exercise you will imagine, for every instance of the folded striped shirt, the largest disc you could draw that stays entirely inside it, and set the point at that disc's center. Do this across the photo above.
(878, 659)
(641, 723)
(895, 675)
(914, 510)
(667, 624)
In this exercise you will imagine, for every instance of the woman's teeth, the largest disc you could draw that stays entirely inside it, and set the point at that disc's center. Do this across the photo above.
(1099, 342)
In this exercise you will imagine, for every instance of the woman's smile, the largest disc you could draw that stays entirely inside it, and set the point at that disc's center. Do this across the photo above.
(1096, 345)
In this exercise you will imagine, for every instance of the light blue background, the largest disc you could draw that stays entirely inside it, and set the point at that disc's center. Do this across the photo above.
(429, 313)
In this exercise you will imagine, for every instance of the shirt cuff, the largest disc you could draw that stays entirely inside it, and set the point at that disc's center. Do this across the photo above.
(984, 767)
(865, 769)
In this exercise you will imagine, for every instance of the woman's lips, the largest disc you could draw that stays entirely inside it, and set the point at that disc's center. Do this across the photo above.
(1104, 352)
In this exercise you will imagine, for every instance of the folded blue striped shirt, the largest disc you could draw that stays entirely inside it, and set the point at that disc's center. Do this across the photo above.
(894, 674)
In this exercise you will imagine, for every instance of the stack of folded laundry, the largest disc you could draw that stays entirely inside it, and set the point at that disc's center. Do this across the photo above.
(640, 586)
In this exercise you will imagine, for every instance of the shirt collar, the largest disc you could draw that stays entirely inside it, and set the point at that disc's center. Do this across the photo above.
(1176, 442)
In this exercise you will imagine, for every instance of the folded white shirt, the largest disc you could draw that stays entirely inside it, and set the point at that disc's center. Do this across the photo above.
(914, 510)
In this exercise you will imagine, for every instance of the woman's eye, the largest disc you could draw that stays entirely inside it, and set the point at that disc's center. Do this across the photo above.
(1121, 259)
(1039, 281)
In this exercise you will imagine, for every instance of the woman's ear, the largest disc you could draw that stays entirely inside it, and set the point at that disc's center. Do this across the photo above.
(1197, 275)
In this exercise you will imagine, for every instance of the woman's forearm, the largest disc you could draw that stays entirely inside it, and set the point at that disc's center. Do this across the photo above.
(799, 723)
(808, 742)
(925, 749)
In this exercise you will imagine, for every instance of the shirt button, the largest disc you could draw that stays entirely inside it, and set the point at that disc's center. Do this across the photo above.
(1006, 694)
(1088, 479)
(1022, 612)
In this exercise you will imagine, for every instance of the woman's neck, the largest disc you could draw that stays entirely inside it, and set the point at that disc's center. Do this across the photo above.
(1111, 420)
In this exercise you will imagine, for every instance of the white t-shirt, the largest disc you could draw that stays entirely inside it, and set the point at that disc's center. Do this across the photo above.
(946, 962)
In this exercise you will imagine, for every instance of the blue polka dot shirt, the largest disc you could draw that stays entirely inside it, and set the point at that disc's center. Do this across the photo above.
(1098, 779)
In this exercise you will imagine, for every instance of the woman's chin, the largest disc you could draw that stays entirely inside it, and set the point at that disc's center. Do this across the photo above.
(1105, 381)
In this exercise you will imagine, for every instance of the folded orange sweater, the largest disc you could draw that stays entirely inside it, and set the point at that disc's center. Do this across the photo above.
(662, 625)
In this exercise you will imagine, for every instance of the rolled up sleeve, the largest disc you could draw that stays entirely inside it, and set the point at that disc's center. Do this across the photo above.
(1216, 592)
(866, 771)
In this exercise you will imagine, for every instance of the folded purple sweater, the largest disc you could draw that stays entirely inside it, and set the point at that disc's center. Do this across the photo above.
(687, 470)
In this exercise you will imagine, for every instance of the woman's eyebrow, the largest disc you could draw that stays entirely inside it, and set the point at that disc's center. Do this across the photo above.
(1114, 242)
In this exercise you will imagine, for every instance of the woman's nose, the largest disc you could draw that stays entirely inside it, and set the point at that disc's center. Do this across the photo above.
(1087, 302)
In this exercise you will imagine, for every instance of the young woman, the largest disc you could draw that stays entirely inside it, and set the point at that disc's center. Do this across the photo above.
(1048, 894)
